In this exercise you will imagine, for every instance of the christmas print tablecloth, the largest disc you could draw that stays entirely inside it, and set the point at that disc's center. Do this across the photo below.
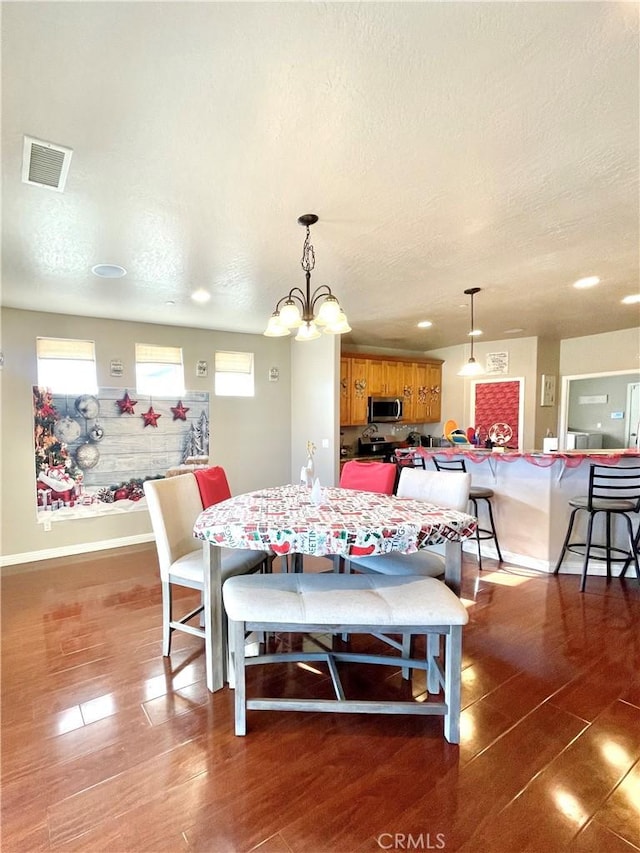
(344, 522)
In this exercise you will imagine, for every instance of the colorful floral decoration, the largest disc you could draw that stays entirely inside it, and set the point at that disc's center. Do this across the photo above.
(56, 472)
(151, 418)
(179, 411)
(126, 404)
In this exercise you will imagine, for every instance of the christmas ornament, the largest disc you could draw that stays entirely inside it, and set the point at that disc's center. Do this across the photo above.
(179, 411)
(121, 494)
(96, 433)
(87, 456)
(67, 430)
(126, 404)
(151, 418)
(88, 406)
(136, 493)
(105, 495)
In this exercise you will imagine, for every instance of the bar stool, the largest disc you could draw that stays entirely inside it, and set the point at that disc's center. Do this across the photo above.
(613, 491)
(476, 493)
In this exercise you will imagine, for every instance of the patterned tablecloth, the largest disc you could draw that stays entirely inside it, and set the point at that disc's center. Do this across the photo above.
(345, 522)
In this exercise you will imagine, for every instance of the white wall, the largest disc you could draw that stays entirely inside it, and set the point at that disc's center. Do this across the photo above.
(600, 353)
(315, 370)
(456, 390)
(250, 437)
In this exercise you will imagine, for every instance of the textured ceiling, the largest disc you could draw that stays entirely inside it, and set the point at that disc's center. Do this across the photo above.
(443, 146)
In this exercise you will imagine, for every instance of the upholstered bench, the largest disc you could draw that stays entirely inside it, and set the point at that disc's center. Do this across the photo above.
(332, 603)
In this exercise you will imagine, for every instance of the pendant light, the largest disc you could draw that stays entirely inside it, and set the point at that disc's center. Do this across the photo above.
(471, 368)
(296, 310)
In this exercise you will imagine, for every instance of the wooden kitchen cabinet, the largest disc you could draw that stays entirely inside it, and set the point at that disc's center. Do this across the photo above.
(408, 395)
(417, 383)
(345, 390)
(359, 391)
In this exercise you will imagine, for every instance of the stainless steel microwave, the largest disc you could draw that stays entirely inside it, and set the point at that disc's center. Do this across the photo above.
(384, 409)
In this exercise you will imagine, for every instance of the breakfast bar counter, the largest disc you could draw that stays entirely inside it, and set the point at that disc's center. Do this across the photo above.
(531, 497)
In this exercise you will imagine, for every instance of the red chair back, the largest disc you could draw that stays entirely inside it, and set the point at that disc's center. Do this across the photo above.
(368, 476)
(213, 485)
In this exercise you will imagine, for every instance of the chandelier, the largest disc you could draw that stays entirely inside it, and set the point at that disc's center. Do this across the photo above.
(472, 368)
(297, 310)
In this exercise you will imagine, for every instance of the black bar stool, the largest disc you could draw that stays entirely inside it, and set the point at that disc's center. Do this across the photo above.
(476, 493)
(613, 491)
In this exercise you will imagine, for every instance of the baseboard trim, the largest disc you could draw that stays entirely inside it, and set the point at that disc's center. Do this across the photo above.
(72, 550)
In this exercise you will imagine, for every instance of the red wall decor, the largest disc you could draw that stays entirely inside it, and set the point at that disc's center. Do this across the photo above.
(498, 403)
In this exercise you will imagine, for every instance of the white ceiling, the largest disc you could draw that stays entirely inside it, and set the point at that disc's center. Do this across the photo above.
(443, 145)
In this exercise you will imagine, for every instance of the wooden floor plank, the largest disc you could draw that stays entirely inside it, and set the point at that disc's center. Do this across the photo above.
(108, 746)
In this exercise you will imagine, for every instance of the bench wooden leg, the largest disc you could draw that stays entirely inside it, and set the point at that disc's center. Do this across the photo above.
(238, 631)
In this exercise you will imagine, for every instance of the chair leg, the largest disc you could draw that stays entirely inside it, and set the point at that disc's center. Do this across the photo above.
(587, 551)
(493, 530)
(566, 541)
(634, 546)
(166, 619)
(433, 652)
(608, 545)
(475, 512)
(452, 686)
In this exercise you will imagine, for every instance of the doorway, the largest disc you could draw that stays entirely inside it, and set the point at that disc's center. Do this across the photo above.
(633, 415)
(600, 403)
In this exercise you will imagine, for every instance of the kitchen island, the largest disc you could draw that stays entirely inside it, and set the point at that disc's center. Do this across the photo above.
(531, 500)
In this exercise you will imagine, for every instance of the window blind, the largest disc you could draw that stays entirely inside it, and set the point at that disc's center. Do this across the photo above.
(151, 354)
(65, 349)
(234, 362)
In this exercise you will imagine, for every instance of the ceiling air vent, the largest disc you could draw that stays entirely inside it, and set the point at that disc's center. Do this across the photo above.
(45, 164)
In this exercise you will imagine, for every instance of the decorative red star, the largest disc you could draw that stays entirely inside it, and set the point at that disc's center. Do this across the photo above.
(126, 404)
(179, 411)
(151, 418)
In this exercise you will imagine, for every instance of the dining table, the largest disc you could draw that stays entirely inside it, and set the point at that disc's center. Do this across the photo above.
(326, 522)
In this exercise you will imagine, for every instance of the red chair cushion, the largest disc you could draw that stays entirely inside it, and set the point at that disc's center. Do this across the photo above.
(213, 485)
(369, 476)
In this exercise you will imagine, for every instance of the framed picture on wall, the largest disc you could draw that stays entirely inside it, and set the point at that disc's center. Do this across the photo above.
(548, 390)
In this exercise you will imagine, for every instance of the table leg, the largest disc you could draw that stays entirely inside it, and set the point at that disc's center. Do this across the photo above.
(453, 566)
(214, 642)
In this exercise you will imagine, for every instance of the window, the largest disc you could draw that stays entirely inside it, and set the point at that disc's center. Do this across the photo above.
(234, 374)
(159, 370)
(67, 366)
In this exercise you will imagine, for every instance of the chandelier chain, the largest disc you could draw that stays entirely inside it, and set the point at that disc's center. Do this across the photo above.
(308, 260)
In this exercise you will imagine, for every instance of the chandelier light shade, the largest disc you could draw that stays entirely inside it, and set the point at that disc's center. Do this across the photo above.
(471, 368)
(297, 310)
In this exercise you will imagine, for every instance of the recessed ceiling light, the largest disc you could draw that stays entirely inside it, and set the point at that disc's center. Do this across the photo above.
(474, 333)
(512, 331)
(425, 324)
(108, 270)
(631, 300)
(589, 281)
(200, 296)
(169, 302)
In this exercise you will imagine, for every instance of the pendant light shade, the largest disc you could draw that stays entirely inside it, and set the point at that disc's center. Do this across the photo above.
(471, 368)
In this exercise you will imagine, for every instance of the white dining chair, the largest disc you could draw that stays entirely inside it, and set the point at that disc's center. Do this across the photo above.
(446, 490)
(174, 503)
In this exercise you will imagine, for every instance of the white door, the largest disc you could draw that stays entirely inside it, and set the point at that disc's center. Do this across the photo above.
(633, 415)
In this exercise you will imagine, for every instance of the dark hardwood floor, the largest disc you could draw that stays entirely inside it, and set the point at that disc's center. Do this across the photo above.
(108, 746)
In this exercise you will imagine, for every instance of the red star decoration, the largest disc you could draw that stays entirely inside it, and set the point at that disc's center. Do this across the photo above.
(151, 418)
(179, 411)
(126, 404)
